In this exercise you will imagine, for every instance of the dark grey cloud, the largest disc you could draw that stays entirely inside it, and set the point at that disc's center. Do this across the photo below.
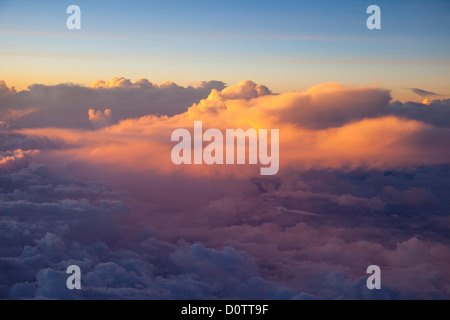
(68, 105)
(424, 93)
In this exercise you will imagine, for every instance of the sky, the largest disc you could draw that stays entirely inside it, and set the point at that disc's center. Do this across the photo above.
(287, 45)
(87, 123)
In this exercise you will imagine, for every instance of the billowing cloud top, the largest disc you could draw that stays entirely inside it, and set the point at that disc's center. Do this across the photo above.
(122, 83)
(68, 105)
(5, 90)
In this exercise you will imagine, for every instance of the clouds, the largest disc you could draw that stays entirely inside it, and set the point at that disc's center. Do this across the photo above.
(234, 247)
(5, 90)
(10, 160)
(245, 90)
(322, 106)
(67, 105)
(53, 234)
(332, 105)
(434, 112)
(100, 119)
(363, 181)
(328, 126)
(424, 93)
(237, 246)
(122, 83)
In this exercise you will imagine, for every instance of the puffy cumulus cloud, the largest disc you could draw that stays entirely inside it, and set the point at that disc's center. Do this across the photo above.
(17, 158)
(367, 187)
(330, 126)
(144, 83)
(100, 119)
(245, 90)
(120, 82)
(5, 90)
(322, 106)
(66, 105)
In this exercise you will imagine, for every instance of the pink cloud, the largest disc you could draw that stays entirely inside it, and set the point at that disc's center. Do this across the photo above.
(5, 90)
(100, 119)
(349, 141)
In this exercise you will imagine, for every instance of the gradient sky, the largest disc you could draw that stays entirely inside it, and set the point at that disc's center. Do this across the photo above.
(286, 45)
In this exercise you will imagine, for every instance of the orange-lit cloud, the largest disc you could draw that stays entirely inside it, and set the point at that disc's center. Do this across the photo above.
(328, 126)
(120, 82)
(100, 119)
(15, 158)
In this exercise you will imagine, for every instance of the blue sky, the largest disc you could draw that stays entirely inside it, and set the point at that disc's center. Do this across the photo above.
(287, 45)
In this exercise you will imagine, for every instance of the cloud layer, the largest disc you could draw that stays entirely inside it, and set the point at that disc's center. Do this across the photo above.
(86, 179)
